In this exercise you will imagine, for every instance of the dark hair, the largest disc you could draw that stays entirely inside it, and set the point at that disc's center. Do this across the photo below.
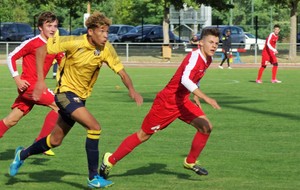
(276, 26)
(47, 17)
(210, 31)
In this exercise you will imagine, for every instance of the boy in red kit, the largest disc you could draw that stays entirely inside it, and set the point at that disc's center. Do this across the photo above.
(269, 55)
(173, 102)
(47, 24)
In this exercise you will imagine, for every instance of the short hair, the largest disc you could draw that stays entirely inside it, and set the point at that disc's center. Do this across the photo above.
(47, 17)
(276, 26)
(96, 20)
(210, 31)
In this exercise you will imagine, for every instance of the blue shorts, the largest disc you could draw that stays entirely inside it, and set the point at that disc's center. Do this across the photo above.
(67, 103)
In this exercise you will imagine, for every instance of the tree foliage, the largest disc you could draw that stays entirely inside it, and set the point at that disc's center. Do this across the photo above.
(134, 12)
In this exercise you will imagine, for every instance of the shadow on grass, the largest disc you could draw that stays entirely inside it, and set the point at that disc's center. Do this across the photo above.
(264, 112)
(154, 168)
(233, 102)
(45, 176)
(36, 160)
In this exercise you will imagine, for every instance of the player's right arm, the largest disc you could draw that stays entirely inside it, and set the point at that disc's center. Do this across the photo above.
(12, 58)
(40, 85)
(269, 43)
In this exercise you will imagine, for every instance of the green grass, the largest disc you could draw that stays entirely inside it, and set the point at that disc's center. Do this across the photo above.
(254, 145)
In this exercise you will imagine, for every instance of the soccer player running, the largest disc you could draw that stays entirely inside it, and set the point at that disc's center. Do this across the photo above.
(47, 24)
(77, 74)
(269, 55)
(173, 102)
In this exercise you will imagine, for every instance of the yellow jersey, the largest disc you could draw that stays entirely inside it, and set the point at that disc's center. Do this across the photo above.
(81, 64)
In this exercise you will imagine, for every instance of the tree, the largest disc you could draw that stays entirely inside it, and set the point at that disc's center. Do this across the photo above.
(293, 6)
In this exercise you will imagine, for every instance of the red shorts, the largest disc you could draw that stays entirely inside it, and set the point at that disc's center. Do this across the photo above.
(268, 57)
(164, 112)
(25, 102)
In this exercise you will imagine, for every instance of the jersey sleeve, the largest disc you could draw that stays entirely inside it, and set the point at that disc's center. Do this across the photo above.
(185, 79)
(58, 44)
(16, 54)
(112, 59)
(270, 38)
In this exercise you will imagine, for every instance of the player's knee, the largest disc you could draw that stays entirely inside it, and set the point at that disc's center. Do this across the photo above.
(203, 125)
(275, 64)
(264, 66)
(207, 129)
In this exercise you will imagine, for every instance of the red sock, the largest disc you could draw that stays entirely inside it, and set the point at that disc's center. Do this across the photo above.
(274, 72)
(49, 124)
(260, 72)
(125, 148)
(198, 144)
(3, 128)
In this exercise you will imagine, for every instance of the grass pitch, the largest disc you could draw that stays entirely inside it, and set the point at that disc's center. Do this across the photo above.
(254, 145)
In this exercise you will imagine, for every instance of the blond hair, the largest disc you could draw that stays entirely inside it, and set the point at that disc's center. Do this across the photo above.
(96, 20)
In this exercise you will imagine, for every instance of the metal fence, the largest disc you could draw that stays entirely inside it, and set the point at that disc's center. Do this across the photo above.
(153, 53)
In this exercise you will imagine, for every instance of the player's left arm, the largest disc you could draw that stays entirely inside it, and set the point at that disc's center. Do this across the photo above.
(129, 85)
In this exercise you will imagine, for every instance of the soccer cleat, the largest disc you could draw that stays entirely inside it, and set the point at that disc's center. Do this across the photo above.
(99, 182)
(49, 153)
(221, 67)
(17, 163)
(195, 167)
(259, 81)
(106, 166)
(276, 81)
(229, 68)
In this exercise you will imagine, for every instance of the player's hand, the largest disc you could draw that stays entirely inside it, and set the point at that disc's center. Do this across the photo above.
(197, 101)
(213, 103)
(136, 97)
(21, 84)
(39, 88)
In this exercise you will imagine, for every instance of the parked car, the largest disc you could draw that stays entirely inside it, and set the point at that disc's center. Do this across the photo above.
(79, 31)
(147, 33)
(250, 42)
(117, 30)
(14, 31)
(237, 34)
(62, 32)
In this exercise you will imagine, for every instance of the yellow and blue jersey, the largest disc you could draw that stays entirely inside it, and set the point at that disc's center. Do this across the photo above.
(80, 67)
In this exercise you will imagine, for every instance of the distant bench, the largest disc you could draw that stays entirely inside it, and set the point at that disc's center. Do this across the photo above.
(219, 55)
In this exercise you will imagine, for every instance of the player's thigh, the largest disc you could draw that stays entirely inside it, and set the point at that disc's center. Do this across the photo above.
(265, 59)
(159, 116)
(85, 118)
(194, 115)
(273, 59)
(189, 111)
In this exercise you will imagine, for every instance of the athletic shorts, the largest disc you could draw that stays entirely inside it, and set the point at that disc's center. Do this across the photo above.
(25, 102)
(268, 57)
(67, 103)
(164, 112)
